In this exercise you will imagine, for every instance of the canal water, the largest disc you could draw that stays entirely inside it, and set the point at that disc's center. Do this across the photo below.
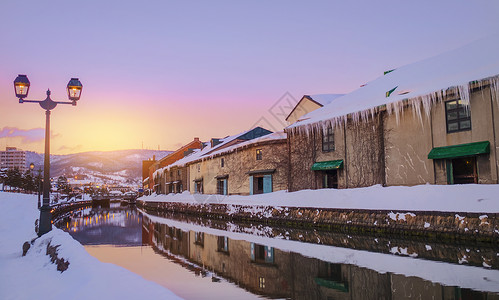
(206, 259)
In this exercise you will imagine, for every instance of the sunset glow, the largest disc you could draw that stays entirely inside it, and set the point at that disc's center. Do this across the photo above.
(156, 78)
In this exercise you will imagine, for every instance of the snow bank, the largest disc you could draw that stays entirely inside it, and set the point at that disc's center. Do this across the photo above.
(34, 275)
(454, 198)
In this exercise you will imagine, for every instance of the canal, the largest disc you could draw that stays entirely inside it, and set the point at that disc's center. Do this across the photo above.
(207, 259)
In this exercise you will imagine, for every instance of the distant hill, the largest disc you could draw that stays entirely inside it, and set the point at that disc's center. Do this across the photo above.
(121, 166)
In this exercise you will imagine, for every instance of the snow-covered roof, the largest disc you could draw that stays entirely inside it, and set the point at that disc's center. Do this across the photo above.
(280, 135)
(324, 99)
(200, 153)
(421, 82)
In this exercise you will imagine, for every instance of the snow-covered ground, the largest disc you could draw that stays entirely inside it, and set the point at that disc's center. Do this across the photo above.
(483, 198)
(35, 277)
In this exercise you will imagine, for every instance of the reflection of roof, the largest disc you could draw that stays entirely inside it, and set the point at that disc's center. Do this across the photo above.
(422, 82)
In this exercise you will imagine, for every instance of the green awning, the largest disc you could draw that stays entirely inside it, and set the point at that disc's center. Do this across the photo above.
(460, 150)
(339, 286)
(327, 165)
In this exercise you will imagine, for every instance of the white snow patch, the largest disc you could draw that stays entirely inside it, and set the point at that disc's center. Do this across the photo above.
(456, 198)
(33, 275)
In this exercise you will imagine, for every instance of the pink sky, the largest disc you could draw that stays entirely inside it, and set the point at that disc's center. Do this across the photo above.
(159, 73)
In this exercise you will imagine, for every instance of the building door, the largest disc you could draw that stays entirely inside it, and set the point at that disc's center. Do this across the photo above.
(330, 179)
(258, 185)
(222, 186)
(463, 170)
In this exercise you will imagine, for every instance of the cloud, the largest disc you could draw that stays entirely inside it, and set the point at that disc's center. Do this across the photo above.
(27, 135)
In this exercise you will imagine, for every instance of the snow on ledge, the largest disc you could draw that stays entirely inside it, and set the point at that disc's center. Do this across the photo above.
(477, 198)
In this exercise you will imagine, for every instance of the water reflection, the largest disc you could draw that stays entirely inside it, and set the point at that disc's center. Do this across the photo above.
(294, 264)
(264, 269)
(114, 225)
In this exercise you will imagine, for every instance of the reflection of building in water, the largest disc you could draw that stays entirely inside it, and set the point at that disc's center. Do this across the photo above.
(103, 226)
(274, 273)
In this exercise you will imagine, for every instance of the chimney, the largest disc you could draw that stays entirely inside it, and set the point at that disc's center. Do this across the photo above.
(154, 157)
(215, 142)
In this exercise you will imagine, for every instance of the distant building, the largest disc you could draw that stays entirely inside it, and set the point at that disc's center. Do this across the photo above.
(157, 182)
(146, 164)
(13, 158)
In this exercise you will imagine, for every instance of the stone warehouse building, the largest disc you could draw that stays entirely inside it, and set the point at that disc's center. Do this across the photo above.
(202, 170)
(255, 166)
(435, 121)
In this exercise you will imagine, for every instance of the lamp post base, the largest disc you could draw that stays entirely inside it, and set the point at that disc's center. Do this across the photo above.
(45, 220)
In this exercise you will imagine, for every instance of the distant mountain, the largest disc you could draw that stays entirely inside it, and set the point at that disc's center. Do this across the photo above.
(120, 166)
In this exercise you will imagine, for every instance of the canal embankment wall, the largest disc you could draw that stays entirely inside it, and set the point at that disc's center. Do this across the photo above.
(452, 225)
(466, 212)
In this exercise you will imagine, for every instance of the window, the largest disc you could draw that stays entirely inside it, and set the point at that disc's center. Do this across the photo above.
(261, 282)
(198, 186)
(179, 172)
(328, 140)
(199, 238)
(457, 116)
(199, 167)
(223, 244)
(262, 254)
(258, 154)
(222, 162)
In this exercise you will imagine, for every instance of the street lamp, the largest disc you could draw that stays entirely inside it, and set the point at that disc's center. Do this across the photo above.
(21, 88)
(39, 179)
(31, 167)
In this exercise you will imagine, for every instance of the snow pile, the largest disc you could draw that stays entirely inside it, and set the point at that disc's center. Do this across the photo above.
(420, 84)
(35, 277)
(457, 198)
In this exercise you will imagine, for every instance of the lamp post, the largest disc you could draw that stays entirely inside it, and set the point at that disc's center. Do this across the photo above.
(31, 167)
(21, 88)
(39, 179)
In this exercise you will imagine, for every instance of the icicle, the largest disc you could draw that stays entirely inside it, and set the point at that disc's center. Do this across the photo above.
(464, 94)
(494, 89)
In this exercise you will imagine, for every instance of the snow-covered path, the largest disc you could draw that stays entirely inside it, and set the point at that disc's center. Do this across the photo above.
(35, 277)
(479, 198)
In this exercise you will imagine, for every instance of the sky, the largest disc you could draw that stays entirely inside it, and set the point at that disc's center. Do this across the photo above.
(156, 74)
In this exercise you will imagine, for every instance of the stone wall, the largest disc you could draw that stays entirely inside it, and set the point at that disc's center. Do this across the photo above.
(450, 225)
(236, 166)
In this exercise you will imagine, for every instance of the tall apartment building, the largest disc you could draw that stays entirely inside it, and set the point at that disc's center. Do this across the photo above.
(13, 158)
